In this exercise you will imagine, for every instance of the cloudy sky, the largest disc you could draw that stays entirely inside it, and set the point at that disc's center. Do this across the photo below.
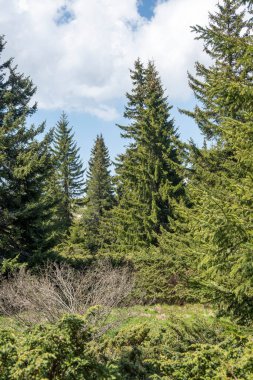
(78, 53)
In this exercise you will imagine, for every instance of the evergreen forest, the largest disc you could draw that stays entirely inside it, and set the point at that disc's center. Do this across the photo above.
(140, 268)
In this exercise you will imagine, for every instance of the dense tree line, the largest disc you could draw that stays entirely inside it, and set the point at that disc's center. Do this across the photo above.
(180, 214)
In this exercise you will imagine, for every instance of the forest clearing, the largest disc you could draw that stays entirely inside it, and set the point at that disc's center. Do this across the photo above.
(137, 266)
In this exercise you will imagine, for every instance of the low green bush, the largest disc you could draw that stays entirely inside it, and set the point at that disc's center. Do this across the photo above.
(60, 351)
(199, 350)
(177, 349)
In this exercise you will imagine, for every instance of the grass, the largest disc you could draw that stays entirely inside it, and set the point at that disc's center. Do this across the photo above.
(7, 323)
(154, 317)
(158, 316)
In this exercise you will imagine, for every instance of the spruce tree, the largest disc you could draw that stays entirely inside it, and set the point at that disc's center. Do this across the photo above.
(148, 173)
(222, 174)
(69, 172)
(25, 163)
(99, 193)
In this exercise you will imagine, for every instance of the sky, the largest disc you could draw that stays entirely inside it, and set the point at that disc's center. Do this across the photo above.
(79, 52)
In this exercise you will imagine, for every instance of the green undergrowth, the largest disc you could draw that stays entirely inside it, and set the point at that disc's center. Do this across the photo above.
(155, 316)
(179, 343)
(140, 342)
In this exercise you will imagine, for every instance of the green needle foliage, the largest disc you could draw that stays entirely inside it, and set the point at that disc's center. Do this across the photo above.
(69, 172)
(221, 185)
(149, 345)
(226, 28)
(25, 163)
(62, 351)
(148, 173)
(99, 193)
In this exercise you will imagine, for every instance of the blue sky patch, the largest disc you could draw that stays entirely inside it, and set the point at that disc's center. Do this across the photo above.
(146, 8)
(64, 15)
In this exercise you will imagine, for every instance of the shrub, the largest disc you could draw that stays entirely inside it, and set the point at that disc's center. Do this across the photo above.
(178, 349)
(60, 289)
(199, 350)
(61, 352)
(8, 353)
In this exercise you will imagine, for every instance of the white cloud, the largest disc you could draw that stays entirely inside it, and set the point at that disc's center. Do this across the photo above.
(103, 111)
(83, 64)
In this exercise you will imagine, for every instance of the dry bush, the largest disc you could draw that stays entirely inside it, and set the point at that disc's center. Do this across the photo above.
(60, 289)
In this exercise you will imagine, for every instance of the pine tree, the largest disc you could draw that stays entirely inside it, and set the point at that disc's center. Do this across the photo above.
(222, 174)
(99, 193)
(69, 172)
(148, 179)
(25, 163)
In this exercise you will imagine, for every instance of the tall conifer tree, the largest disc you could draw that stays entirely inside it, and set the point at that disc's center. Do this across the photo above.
(148, 173)
(99, 192)
(69, 171)
(25, 163)
(222, 176)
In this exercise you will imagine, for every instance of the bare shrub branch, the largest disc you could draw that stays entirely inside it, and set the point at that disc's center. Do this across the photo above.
(60, 289)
